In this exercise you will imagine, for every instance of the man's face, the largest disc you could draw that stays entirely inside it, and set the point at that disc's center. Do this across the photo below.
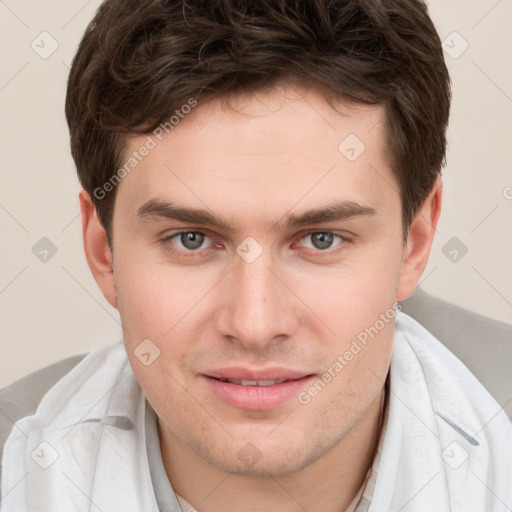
(265, 293)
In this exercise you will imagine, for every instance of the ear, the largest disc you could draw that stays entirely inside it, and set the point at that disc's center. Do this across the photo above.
(96, 248)
(417, 249)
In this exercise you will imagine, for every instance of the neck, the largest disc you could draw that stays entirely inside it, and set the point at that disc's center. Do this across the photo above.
(329, 484)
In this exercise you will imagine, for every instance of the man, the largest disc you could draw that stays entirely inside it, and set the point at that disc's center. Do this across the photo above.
(261, 186)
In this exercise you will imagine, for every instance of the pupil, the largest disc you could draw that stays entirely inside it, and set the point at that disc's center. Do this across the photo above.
(192, 240)
(324, 240)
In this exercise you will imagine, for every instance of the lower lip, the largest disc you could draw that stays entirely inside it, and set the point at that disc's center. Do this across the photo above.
(257, 398)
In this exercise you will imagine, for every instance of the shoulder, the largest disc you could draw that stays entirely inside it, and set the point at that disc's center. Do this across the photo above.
(483, 344)
(22, 397)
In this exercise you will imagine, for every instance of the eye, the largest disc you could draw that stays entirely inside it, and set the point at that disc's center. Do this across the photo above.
(322, 240)
(187, 241)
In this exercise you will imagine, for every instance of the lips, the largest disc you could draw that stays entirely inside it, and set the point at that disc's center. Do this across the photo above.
(248, 374)
(248, 382)
(245, 388)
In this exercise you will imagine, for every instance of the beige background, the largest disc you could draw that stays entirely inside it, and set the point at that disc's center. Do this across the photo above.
(54, 309)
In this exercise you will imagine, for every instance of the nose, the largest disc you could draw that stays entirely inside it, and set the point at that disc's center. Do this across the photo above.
(257, 308)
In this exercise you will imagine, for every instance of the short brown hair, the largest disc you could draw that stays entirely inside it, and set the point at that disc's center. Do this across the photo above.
(140, 60)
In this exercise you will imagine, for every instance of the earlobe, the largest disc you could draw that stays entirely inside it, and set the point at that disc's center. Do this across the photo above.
(417, 249)
(97, 250)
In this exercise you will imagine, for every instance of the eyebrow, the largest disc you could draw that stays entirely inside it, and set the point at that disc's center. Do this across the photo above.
(342, 210)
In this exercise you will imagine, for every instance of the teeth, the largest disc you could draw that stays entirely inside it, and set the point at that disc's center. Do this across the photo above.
(248, 382)
(243, 382)
(268, 382)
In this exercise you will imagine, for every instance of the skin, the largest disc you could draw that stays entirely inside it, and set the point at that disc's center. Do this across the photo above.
(273, 154)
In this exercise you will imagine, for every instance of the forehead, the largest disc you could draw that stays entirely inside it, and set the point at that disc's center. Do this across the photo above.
(273, 148)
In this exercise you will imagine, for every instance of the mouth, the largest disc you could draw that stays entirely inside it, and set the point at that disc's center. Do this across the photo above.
(256, 394)
(261, 383)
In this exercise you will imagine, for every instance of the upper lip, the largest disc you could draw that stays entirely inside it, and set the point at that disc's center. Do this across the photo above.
(253, 374)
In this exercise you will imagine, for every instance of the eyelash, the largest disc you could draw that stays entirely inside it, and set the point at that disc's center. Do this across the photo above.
(167, 244)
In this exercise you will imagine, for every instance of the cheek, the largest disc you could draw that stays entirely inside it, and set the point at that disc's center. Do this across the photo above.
(160, 303)
(357, 306)
(352, 297)
(155, 297)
